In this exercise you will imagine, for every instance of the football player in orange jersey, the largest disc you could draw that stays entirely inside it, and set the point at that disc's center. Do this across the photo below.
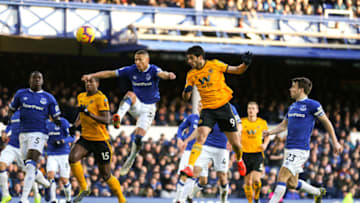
(94, 115)
(253, 150)
(208, 77)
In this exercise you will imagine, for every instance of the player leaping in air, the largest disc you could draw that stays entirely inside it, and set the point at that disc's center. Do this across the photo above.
(141, 102)
(208, 77)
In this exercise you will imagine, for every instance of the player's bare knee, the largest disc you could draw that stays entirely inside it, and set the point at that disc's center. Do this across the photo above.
(140, 131)
(131, 95)
(291, 184)
(248, 181)
(223, 178)
(51, 175)
(33, 155)
(2, 166)
(64, 181)
(203, 180)
(105, 176)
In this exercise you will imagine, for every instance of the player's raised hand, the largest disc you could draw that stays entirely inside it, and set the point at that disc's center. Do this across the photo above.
(247, 58)
(337, 147)
(86, 77)
(172, 76)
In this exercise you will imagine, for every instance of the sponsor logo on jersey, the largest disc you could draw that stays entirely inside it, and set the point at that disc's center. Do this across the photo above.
(141, 83)
(25, 98)
(29, 106)
(298, 115)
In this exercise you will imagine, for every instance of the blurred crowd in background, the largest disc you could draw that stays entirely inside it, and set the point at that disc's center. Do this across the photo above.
(297, 7)
(154, 172)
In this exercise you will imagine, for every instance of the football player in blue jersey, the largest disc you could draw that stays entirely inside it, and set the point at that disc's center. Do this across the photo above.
(58, 150)
(11, 153)
(35, 106)
(184, 131)
(214, 150)
(141, 102)
(299, 122)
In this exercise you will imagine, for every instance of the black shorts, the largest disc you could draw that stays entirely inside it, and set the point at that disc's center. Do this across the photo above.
(101, 149)
(223, 116)
(253, 161)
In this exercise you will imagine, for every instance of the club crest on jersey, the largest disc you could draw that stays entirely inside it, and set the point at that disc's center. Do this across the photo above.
(57, 127)
(148, 76)
(25, 98)
(200, 121)
(134, 77)
(43, 101)
(303, 108)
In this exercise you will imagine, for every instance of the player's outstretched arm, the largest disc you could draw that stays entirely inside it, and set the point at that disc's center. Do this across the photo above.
(100, 75)
(330, 129)
(278, 129)
(240, 69)
(166, 75)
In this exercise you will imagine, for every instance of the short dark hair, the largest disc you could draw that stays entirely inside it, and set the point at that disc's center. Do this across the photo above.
(196, 50)
(304, 83)
(35, 72)
(142, 52)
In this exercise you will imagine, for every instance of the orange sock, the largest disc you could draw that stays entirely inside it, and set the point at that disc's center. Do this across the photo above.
(195, 153)
(116, 188)
(248, 193)
(257, 188)
(78, 172)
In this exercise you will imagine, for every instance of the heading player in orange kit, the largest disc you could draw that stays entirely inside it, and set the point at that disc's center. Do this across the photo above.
(208, 77)
(94, 115)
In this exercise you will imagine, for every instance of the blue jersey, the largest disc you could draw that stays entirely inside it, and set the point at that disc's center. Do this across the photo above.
(190, 122)
(145, 84)
(217, 138)
(56, 133)
(14, 129)
(301, 120)
(35, 108)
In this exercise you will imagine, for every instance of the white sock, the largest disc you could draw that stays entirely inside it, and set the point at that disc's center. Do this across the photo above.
(302, 185)
(4, 183)
(123, 108)
(52, 190)
(197, 188)
(30, 169)
(41, 179)
(279, 193)
(179, 191)
(189, 186)
(224, 190)
(35, 189)
(67, 191)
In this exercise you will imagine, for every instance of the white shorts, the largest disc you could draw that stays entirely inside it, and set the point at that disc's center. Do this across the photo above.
(145, 114)
(9, 154)
(33, 140)
(59, 163)
(220, 158)
(184, 161)
(294, 160)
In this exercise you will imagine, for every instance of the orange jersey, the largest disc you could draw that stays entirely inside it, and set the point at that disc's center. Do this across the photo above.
(210, 82)
(90, 129)
(251, 135)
